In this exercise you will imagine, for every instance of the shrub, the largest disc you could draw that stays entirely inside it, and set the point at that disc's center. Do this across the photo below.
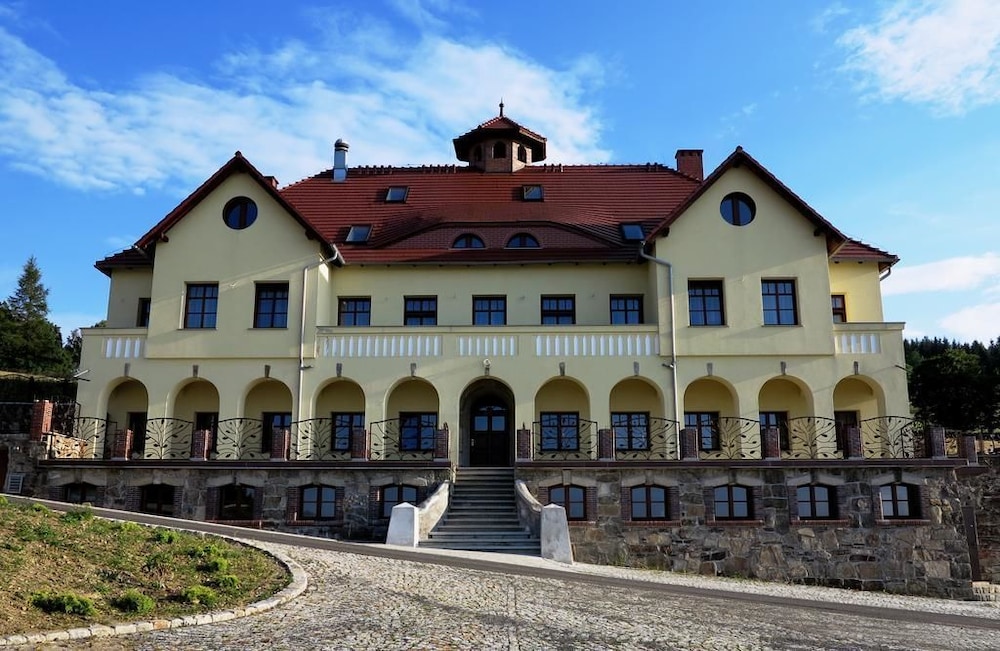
(227, 582)
(77, 515)
(66, 602)
(206, 551)
(157, 562)
(200, 595)
(3, 501)
(133, 601)
(214, 565)
(40, 508)
(164, 536)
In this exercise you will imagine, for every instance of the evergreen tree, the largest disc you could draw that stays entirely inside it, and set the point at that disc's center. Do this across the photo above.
(31, 299)
(29, 342)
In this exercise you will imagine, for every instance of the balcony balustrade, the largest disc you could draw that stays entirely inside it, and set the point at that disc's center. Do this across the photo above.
(867, 338)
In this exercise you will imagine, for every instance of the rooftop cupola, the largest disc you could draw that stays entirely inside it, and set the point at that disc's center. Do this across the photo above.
(500, 145)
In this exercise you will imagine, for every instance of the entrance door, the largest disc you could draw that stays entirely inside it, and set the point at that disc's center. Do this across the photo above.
(489, 436)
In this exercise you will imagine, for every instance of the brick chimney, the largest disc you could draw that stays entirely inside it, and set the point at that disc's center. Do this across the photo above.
(689, 163)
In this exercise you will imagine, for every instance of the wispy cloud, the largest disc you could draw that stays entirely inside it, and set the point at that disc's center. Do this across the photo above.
(944, 53)
(977, 322)
(361, 80)
(953, 274)
(821, 22)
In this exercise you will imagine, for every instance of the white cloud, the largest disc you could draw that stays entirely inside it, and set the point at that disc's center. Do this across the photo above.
(945, 53)
(952, 274)
(396, 102)
(822, 21)
(978, 322)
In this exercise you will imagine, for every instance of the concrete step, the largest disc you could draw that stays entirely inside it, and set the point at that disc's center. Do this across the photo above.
(528, 548)
(480, 535)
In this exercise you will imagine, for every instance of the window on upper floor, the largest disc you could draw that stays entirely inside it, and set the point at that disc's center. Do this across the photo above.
(705, 307)
(272, 422)
(499, 150)
(631, 429)
(489, 310)
(522, 241)
(318, 502)
(201, 301)
(649, 503)
(706, 424)
(816, 502)
(779, 421)
(839, 305)
(417, 431)
(738, 209)
(477, 153)
(354, 311)
(420, 310)
(142, 314)
(780, 306)
(732, 502)
(239, 213)
(560, 430)
(271, 306)
(390, 496)
(532, 193)
(626, 310)
(571, 498)
(899, 501)
(208, 420)
(558, 310)
(522, 154)
(397, 193)
(468, 241)
(342, 423)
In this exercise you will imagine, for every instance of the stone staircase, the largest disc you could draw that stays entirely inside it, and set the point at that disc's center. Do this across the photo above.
(483, 515)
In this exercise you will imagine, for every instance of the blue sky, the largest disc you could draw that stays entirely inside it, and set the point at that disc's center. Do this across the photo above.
(884, 116)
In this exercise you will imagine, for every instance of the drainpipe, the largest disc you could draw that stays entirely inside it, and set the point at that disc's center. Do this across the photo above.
(302, 319)
(673, 336)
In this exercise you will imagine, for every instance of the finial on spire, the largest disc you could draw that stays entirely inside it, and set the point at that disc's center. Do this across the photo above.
(501, 107)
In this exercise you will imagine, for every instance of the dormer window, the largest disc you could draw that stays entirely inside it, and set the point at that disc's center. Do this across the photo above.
(468, 241)
(499, 150)
(397, 193)
(532, 192)
(359, 233)
(522, 241)
(632, 232)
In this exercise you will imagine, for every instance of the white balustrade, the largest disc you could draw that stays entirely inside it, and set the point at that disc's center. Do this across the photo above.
(487, 346)
(597, 345)
(123, 347)
(857, 343)
(379, 346)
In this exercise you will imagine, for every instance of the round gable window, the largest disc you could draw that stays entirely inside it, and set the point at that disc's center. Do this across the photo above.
(240, 213)
(738, 209)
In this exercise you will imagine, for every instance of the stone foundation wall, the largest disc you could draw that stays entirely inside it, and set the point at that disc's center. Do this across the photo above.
(983, 486)
(928, 556)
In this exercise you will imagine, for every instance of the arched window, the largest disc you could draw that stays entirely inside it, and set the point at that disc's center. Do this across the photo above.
(236, 502)
(318, 502)
(522, 155)
(816, 502)
(899, 501)
(732, 502)
(499, 150)
(649, 503)
(522, 241)
(468, 241)
(393, 495)
(571, 498)
(477, 153)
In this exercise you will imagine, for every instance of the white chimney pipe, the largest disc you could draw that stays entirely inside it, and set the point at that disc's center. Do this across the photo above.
(340, 161)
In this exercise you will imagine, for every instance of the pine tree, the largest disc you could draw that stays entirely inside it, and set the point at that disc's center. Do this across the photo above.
(31, 299)
(29, 342)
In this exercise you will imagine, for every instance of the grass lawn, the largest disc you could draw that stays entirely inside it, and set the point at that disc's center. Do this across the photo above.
(65, 570)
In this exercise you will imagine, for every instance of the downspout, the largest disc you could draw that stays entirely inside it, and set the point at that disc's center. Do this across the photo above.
(302, 321)
(673, 337)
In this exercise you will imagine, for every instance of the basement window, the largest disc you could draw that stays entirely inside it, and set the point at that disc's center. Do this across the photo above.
(397, 193)
(533, 192)
(359, 233)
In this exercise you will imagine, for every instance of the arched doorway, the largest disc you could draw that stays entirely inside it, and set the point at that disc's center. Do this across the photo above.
(487, 411)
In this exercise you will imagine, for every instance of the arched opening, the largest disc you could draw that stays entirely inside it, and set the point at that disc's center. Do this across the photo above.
(710, 408)
(563, 425)
(785, 406)
(198, 402)
(411, 424)
(855, 400)
(127, 407)
(487, 412)
(637, 420)
(499, 150)
(271, 401)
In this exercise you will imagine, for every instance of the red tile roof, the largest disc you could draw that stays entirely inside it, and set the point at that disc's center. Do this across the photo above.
(134, 257)
(856, 250)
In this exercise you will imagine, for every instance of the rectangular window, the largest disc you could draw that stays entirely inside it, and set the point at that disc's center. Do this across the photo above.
(271, 306)
(532, 192)
(839, 305)
(420, 310)
(136, 421)
(779, 302)
(417, 431)
(899, 501)
(354, 311)
(706, 423)
(272, 422)
(815, 502)
(399, 494)
(558, 310)
(732, 503)
(142, 316)
(649, 503)
(342, 424)
(489, 310)
(236, 502)
(779, 420)
(631, 430)
(157, 498)
(844, 421)
(626, 310)
(318, 503)
(560, 430)
(200, 305)
(208, 420)
(571, 498)
(705, 303)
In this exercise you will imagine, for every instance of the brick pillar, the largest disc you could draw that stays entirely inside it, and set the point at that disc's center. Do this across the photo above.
(969, 449)
(200, 443)
(122, 447)
(524, 444)
(41, 419)
(280, 440)
(690, 450)
(441, 437)
(772, 443)
(854, 450)
(605, 445)
(936, 443)
(359, 444)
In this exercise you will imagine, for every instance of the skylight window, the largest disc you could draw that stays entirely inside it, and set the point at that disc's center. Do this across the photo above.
(533, 192)
(359, 233)
(397, 193)
(632, 232)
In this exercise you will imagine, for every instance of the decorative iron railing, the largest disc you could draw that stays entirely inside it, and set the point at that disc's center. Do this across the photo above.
(95, 431)
(812, 437)
(564, 439)
(660, 442)
(167, 438)
(894, 437)
(240, 438)
(318, 440)
(397, 439)
(735, 438)
(63, 415)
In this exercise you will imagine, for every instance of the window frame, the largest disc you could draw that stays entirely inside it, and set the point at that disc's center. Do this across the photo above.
(142, 313)
(363, 308)
(495, 310)
(632, 232)
(839, 311)
(400, 492)
(778, 313)
(533, 192)
(358, 233)
(397, 193)
(911, 501)
(779, 420)
(239, 213)
(700, 290)
(522, 241)
(631, 313)
(423, 311)
(807, 499)
(623, 428)
(572, 498)
(557, 313)
(204, 297)
(269, 423)
(729, 498)
(703, 420)
(267, 312)
(151, 499)
(244, 502)
(648, 502)
(565, 437)
(468, 241)
(417, 431)
(325, 498)
(340, 440)
(731, 204)
(77, 493)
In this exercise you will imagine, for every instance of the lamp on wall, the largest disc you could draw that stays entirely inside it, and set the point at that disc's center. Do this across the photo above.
(486, 366)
